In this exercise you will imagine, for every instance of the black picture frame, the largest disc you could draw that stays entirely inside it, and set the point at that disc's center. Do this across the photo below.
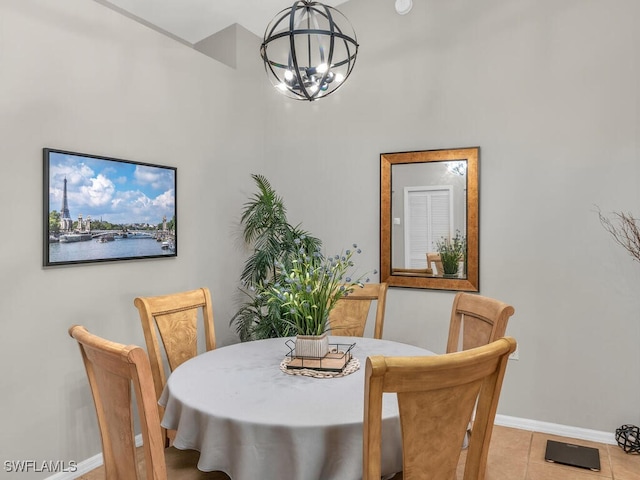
(104, 209)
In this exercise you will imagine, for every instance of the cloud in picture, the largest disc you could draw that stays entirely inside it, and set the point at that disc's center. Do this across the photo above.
(116, 191)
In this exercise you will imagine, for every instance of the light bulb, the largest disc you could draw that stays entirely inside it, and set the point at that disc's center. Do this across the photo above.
(323, 67)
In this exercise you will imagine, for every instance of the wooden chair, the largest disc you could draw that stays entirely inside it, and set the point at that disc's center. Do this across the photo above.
(175, 318)
(435, 258)
(436, 397)
(111, 369)
(481, 320)
(478, 320)
(349, 316)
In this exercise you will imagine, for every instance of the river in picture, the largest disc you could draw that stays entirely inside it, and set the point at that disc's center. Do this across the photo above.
(131, 246)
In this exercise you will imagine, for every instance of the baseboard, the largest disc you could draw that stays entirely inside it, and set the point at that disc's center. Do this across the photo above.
(502, 420)
(81, 468)
(556, 429)
(86, 465)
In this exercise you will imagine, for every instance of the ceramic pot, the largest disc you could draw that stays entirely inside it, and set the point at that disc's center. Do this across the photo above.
(316, 346)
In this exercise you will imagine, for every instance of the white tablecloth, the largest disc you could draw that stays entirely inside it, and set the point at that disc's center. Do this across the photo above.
(255, 422)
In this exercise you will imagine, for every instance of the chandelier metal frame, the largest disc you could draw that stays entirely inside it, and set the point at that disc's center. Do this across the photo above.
(316, 54)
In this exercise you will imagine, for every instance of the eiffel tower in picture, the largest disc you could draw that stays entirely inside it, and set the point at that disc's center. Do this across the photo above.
(66, 224)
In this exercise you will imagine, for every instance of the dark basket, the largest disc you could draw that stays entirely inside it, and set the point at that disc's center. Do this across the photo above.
(628, 437)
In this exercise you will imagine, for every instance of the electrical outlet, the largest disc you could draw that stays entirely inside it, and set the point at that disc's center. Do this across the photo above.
(516, 354)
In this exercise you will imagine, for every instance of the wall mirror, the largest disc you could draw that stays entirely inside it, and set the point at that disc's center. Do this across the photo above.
(429, 200)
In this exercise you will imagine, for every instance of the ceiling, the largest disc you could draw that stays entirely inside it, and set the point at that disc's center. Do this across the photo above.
(195, 20)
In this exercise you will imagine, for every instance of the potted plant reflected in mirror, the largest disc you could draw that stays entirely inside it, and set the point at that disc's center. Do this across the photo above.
(453, 253)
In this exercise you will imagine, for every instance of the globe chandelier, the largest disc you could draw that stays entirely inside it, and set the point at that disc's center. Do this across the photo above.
(309, 50)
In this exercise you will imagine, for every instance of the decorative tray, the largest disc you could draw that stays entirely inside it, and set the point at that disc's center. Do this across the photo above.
(335, 361)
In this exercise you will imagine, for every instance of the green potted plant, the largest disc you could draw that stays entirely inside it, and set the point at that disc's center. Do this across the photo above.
(272, 239)
(452, 251)
(307, 287)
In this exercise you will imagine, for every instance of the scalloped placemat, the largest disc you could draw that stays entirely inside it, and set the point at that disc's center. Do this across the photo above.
(352, 366)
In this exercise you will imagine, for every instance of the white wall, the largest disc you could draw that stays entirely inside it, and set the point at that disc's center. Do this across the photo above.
(549, 91)
(78, 76)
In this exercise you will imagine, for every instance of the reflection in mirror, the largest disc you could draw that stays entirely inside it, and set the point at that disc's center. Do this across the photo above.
(428, 204)
(429, 219)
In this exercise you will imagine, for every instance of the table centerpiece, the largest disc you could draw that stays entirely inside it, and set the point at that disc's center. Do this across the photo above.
(307, 288)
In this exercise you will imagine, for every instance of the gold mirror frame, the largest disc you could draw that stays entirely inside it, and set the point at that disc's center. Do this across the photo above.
(471, 282)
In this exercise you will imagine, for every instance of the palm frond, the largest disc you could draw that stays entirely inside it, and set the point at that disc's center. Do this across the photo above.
(273, 239)
(264, 212)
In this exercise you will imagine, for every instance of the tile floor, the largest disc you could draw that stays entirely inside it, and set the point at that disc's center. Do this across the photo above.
(519, 455)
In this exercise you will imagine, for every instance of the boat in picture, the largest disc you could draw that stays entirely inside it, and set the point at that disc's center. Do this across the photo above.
(106, 238)
(168, 245)
(74, 237)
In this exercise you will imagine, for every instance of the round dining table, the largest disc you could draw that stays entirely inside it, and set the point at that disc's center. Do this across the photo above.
(251, 418)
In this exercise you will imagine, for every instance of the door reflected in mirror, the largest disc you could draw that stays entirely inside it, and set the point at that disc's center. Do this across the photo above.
(429, 219)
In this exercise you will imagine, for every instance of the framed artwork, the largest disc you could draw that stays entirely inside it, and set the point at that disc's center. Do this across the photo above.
(102, 209)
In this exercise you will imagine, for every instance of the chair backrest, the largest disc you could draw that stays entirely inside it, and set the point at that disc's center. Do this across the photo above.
(481, 320)
(349, 316)
(436, 397)
(435, 258)
(111, 369)
(175, 317)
